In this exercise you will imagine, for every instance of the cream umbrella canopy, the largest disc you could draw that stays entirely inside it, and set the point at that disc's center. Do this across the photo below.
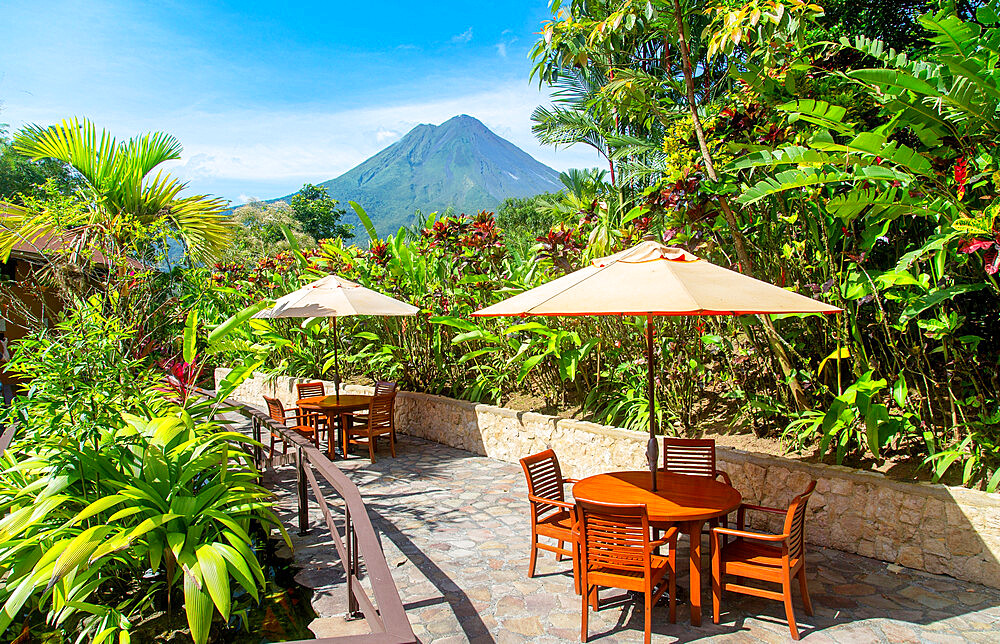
(332, 297)
(652, 279)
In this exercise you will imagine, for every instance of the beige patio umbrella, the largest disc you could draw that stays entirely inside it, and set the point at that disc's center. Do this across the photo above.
(332, 297)
(652, 279)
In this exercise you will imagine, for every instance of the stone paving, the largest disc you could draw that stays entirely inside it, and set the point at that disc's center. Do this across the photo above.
(454, 528)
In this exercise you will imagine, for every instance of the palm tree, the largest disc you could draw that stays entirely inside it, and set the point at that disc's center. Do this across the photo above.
(576, 117)
(127, 212)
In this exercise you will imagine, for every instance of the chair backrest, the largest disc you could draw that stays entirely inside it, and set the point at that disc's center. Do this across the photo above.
(385, 387)
(689, 456)
(544, 480)
(795, 522)
(275, 409)
(310, 389)
(380, 411)
(614, 535)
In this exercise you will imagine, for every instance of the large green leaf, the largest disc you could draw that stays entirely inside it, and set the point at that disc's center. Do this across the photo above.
(365, 220)
(818, 113)
(215, 574)
(197, 605)
(930, 300)
(190, 336)
(220, 332)
(806, 177)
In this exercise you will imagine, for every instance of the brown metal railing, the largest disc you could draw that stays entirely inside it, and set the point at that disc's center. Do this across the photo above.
(358, 547)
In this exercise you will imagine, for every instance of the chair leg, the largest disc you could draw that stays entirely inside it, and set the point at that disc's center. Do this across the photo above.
(559, 555)
(805, 591)
(595, 600)
(371, 449)
(716, 577)
(648, 623)
(534, 553)
(672, 580)
(576, 567)
(392, 444)
(786, 590)
(583, 617)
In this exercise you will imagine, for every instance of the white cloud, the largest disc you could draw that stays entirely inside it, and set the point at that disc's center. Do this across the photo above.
(387, 136)
(502, 49)
(270, 152)
(463, 37)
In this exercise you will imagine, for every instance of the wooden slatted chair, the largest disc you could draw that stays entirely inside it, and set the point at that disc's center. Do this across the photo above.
(310, 390)
(692, 457)
(616, 552)
(378, 422)
(765, 557)
(305, 424)
(381, 387)
(551, 515)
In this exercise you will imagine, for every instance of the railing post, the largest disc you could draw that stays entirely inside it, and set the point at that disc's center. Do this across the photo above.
(350, 566)
(300, 472)
(258, 457)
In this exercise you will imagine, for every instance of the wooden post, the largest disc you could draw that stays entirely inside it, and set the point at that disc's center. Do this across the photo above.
(336, 362)
(652, 449)
(300, 479)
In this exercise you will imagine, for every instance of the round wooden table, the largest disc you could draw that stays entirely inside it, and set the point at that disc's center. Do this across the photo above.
(687, 501)
(333, 407)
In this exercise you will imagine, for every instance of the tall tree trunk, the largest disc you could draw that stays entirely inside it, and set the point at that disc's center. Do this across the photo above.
(746, 264)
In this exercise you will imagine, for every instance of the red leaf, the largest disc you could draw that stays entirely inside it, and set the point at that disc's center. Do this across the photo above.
(992, 261)
(972, 245)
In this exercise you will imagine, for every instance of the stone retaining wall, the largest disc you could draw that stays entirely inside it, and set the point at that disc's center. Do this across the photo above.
(936, 528)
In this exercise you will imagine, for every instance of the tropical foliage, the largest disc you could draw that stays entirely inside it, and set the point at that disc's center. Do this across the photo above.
(130, 211)
(121, 495)
(763, 136)
(845, 170)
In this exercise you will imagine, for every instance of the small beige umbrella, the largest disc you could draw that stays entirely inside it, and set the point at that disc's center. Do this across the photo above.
(652, 279)
(332, 297)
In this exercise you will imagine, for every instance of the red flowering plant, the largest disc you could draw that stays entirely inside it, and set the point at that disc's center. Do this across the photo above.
(560, 247)
(378, 251)
(179, 377)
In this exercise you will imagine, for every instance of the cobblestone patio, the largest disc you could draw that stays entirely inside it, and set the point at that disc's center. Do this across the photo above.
(454, 529)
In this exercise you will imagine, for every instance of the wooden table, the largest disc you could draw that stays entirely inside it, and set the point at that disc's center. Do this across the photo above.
(334, 407)
(687, 501)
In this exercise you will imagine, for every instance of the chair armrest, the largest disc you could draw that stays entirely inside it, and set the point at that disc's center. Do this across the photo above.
(759, 536)
(741, 512)
(761, 508)
(561, 504)
(565, 481)
(668, 536)
(725, 477)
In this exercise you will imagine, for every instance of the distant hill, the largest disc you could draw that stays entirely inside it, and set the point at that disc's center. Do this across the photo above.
(460, 163)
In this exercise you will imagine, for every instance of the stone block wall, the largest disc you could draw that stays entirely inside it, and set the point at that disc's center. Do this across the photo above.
(935, 528)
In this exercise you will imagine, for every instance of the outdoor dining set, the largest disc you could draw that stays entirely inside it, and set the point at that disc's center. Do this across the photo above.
(346, 419)
(622, 533)
(621, 530)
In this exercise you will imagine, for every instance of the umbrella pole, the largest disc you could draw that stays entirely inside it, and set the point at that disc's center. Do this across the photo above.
(336, 364)
(652, 448)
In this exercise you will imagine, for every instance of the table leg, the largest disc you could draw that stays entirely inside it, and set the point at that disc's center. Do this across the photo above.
(331, 443)
(342, 428)
(694, 535)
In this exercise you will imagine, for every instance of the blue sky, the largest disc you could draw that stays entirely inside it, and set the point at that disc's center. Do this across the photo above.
(265, 96)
